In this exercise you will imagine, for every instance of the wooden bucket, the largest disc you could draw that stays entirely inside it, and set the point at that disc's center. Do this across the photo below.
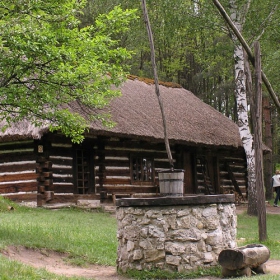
(171, 182)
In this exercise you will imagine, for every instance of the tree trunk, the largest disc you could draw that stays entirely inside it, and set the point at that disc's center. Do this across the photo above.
(242, 112)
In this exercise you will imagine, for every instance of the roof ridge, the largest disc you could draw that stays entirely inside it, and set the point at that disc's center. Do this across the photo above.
(152, 81)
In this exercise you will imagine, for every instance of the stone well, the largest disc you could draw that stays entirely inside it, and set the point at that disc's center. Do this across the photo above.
(174, 233)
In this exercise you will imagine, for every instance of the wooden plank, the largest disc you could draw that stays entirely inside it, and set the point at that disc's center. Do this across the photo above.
(18, 177)
(60, 188)
(18, 187)
(116, 181)
(116, 153)
(184, 200)
(128, 153)
(61, 151)
(58, 139)
(129, 189)
(22, 197)
(115, 162)
(119, 195)
(17, 167)
(17, 157)
(161, 165)
(62, 170)
(62, 161)
(116, 172)
(20, 145)
(130, 144)
(62, 179)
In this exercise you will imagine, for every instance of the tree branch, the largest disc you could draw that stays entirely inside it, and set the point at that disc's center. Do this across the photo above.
(248, 50)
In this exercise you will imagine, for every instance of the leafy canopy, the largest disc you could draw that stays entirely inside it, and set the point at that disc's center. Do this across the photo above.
(48, 60)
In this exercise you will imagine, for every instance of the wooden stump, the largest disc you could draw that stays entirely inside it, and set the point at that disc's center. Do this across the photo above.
(246, 271)
(240, 261)
(261, 269)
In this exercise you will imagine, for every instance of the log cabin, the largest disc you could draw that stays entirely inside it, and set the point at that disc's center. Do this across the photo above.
(124, 160)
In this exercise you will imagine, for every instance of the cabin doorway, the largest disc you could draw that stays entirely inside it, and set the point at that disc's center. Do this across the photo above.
(84, 171)
(189, 178)
(207, 174)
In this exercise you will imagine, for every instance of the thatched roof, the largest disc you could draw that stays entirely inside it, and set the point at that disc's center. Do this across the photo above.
(21, 131)
(189, 120)
(137, 115)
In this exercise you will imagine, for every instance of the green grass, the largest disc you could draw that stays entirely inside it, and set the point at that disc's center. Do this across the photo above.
(12, 270)
(247, 233)
(90, 237)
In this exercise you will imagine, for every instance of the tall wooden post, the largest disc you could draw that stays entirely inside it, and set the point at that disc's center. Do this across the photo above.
(258, 145)
(153, 60)
(268, 166)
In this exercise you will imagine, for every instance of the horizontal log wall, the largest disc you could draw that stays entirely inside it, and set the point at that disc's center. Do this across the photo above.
(112, 166)
(226, 159)
(237, 163)
(17, 167)
(61, 156)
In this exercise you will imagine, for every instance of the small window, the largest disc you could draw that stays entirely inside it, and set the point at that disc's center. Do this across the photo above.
(142, 169)
(82, 169)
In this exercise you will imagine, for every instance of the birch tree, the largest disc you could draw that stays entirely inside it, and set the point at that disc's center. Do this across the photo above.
(238, 17)
(242, 105)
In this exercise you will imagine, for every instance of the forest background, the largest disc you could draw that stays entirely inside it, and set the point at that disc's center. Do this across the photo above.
(50, 49)
(195, 48)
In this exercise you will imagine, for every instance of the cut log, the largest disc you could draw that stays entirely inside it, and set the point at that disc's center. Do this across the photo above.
(261, 269)
(238, 272)
(252, 255)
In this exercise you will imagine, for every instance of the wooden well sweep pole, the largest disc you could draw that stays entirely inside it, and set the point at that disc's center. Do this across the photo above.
(153, 60)
(258, 145)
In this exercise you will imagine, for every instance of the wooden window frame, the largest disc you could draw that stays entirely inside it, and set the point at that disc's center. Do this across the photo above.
(90, 188)
(132, 173)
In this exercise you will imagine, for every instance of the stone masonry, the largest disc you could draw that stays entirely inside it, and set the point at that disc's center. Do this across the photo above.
(177, 238)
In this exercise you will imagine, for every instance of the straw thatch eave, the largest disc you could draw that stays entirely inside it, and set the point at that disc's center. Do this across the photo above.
(22, 130)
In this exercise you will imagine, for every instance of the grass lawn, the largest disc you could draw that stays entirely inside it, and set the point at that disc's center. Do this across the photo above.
(90, 237)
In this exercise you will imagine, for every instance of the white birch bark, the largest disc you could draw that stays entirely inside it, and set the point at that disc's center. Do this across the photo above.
(242, 111)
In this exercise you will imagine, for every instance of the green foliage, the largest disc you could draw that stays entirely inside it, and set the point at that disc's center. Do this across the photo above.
(194, 44)
(192, 48)
(47, 60)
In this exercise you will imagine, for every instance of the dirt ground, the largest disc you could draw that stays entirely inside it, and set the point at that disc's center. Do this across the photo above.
(54, 262)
